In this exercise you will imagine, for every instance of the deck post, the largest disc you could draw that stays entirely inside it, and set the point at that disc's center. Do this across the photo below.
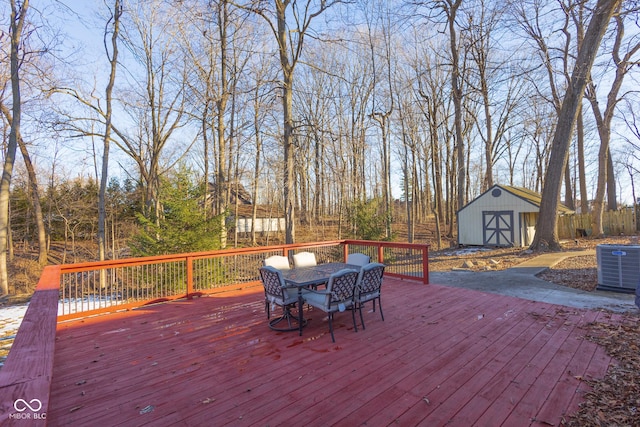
(425, 264)
(189, 261)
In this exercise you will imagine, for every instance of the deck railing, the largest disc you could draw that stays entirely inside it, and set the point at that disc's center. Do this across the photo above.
(95, 287)
(78, 290)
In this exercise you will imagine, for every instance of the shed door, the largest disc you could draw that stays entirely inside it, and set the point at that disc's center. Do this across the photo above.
(497, 228)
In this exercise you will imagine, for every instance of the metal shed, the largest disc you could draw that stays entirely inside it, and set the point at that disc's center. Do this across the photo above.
(501, 216)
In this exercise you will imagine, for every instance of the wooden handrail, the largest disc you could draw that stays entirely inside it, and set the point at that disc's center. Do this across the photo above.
(26, 375)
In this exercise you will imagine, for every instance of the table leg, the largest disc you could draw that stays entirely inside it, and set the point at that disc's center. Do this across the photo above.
(300, 307)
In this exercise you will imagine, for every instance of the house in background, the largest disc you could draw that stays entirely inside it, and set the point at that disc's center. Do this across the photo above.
(501, 216)
(269, 219)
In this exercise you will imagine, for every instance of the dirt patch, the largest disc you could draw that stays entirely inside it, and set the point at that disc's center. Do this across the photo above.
(579, 272)
(477, 258)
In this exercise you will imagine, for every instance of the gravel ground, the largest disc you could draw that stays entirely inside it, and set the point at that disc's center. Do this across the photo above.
(578, 272)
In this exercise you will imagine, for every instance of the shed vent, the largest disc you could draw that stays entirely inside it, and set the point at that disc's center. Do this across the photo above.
(618, 267)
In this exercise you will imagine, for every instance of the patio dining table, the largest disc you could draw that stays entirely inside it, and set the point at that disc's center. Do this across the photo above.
(304, 277)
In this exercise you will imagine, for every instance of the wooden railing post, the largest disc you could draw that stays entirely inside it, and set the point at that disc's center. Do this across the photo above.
(189, 262)
(425, 264)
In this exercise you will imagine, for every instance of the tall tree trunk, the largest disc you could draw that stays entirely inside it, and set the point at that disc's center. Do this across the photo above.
(606, 178)
(288, 145)
(568, 188)
(289, 56)
(222, 199)
(113, 62)
(35, 193)
(37, 207)
(582, 173)
(546, 233)
(287, 111)
(456, 93)
(18, 16)
(612, 202)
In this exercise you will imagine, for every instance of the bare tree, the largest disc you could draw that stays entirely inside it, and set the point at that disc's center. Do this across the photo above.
(158, 106)
(113, 62)
(546, 228)
(33, 188)
(498, 88)
(290, 37)
(382, 106)
(262, 100)
(18, 17)
(623, 62)
(450, 9)
(555, 52)
(431, 80)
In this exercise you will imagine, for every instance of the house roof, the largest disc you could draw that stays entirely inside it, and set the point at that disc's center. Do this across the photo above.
(262, 211)
(524, 194)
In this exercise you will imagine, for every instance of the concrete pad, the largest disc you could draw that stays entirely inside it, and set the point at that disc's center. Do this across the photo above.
(520, 281)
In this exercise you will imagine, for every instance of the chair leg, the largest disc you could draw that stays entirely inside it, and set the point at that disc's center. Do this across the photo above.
(380, 304)
(361, 317)
(290, 319)
(331, 327)
(353, 316)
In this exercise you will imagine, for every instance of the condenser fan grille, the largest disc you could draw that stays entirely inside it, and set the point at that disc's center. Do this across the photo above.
(618, 267)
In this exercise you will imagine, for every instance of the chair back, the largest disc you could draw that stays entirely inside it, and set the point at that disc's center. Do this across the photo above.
(304, 259)
(278, 261)
(370, 279)
(273, 283)
(341, 288)
(358, 259)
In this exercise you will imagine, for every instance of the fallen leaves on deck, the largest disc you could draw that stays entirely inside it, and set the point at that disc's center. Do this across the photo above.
(615, 399)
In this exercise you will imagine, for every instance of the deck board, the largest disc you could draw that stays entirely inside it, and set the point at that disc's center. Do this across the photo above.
(442, 355)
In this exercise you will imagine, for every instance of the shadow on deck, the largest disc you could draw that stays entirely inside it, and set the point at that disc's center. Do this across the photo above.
(442, 355)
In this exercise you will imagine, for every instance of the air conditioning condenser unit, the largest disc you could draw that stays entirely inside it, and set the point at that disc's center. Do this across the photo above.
(618, 267)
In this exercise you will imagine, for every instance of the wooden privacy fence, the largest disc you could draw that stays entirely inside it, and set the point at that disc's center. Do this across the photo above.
(615, 223)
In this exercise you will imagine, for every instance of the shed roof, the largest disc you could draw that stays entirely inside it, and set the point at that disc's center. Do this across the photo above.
(524, 194)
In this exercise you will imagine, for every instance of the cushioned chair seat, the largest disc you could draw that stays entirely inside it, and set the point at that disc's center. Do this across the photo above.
(319, 299)
(276, 293)
(337, 297)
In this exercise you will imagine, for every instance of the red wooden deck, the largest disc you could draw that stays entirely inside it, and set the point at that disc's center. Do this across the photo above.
(442, 356)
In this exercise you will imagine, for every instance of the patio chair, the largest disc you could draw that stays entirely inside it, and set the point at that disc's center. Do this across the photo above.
(337, 296)
(276, 293)
(368, 288)
(358, 259)
(277, 261)
(304, 259)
